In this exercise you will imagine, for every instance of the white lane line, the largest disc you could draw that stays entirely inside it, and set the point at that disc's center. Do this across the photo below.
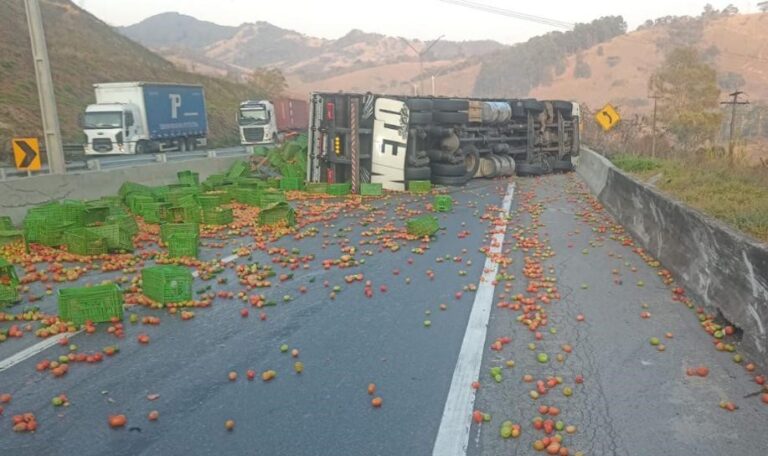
(51, 341)
(34, 349)
(453, 435)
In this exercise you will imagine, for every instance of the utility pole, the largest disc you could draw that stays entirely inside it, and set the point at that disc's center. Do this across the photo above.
(420, 55)
(734, 101)
(653, 127)
(48, 112)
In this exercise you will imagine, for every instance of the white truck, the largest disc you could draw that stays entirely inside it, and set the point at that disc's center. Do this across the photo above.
(142, 117)
(269, 122)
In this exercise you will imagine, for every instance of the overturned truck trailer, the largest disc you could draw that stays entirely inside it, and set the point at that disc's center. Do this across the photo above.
(392, 139)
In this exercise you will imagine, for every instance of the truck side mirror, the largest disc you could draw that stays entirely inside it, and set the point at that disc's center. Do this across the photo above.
(81, 120)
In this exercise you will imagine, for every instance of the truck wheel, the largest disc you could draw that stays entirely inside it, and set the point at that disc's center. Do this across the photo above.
(564, 166)
(450, 180)
(471, 161)
(528, 169)
(443, 104)
(420, 118)
(533, 105)
(451, 117)
(422, 173)
(419, 104)
(444, 169)
(191, 143)
(142, 147)
(417, 162)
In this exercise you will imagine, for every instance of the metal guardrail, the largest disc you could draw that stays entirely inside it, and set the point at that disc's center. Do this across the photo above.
(87, 164)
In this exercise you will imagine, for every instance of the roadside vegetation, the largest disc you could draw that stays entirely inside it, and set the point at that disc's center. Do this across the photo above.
(736, 194)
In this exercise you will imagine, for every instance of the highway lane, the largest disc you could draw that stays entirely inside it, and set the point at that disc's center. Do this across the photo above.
(345, 343)
(634, 400)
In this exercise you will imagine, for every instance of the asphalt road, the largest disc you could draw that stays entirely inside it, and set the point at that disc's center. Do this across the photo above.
(634, 399)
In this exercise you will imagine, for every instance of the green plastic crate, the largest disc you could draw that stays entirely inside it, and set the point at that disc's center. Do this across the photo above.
(126, 223)
(339, 189)
(183, 214)
(51, 211)
(6, 223)
(218, 216)
(275, 213)
(169, 229)
(116, 237)
(291, 183)
(44, 231)
(96, 304)
(131, 187)
(426, 225)
(188, 177)
(9, 283)
(166, 284)
(135, 201)
(419, 186)
(443, 203)
(95, 214)
(251, 197)
(210, 201)
(238, 169)
(371, 189)
(153, 212)
(316, 187)
(182, 245)
(83, 241)
(269, 198)
(11, 237)
(251, 182)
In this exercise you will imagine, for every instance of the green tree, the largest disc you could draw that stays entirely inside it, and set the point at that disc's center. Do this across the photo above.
(689, 98)
(269, 83)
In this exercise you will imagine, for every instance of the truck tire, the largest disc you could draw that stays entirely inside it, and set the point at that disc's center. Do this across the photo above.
(564, 166)
(142, 147)
(448, 170)
(450, 180)
(420, 118)
(533, 105)
(452, 118)
(471, 161)
(417, 161)
(528, 169)
(191, 143)
(419, 104)
(565, 107)
(423, 173)
(444, 104)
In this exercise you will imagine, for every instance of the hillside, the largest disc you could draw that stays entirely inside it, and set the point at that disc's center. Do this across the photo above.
(214, 49)
(619, 69)
(84, 50)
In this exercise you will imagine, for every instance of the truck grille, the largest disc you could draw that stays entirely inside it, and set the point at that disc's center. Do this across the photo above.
(253, 134)
(102, 144)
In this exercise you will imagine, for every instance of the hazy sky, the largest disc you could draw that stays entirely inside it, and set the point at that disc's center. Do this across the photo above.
(423, 19)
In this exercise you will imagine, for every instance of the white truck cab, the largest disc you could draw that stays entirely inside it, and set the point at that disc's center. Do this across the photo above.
(113, 128)
(257, 123)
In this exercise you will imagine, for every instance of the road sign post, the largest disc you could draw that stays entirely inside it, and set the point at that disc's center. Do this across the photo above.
(607, 117)
(26, 154)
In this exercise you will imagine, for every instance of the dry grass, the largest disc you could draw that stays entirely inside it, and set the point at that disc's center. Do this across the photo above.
(737, 195)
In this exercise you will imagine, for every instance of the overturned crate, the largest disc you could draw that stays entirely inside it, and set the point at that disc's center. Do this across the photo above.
(9, 283)
(116, 236)
(276, 213)
(169, 229)
(426, 225)
(96, 304)
(183, 245)
(443, 203)
(218, 216)
(83, 241)
(166, 284)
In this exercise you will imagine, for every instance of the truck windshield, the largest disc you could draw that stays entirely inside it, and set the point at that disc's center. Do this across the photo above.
(103, 120)
(253, 116)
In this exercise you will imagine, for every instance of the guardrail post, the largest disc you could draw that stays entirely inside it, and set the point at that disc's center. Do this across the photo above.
(162, 158)
(2, 173)
(211, 153)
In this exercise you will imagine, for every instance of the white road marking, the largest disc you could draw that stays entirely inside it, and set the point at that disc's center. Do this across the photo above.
(33, 350)
(51, 341)
(453, 435)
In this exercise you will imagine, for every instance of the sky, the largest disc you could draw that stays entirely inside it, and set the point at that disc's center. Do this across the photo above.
(422, 19)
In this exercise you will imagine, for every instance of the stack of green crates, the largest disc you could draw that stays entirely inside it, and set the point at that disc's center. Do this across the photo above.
(183, 214)
(182, 245)
(316, 187)
(251, 197)
(443, 203)
(270, 197)
(210, 200)
(45, 231)
(217, 216)
(169, 229)
(188, 178)
(339, 189)
(153, 212)
(275, 213)
(126, 223)
(9, 283)
(238, 169)
(83, 241)
(426, 225)
(95, 304)
(291, 183)
(419, 186)
(166, 284)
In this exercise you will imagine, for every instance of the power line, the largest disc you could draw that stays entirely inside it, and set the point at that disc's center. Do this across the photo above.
(510, 13)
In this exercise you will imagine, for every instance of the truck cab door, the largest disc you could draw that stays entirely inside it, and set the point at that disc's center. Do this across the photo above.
(390, 140)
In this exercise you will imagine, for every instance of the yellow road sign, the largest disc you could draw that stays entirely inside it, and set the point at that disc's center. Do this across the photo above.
(26, 152)
(607, 117)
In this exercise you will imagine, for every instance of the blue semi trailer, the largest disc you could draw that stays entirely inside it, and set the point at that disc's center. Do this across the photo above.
(143, 117)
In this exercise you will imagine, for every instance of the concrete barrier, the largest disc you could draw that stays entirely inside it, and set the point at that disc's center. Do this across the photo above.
(719, 267)
(18, 195)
